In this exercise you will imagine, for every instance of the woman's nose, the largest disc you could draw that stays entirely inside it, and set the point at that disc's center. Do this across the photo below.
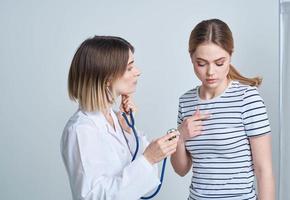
(138, 72)
(210, 70)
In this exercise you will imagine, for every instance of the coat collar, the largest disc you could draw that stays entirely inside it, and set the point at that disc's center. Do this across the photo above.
(100, 120)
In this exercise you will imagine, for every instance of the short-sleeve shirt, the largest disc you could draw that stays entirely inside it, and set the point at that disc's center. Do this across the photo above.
(221, 156)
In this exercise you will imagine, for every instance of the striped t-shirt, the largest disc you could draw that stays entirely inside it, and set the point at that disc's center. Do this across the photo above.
(221, 156)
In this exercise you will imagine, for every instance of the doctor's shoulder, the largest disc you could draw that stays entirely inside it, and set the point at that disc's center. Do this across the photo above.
(80, 123)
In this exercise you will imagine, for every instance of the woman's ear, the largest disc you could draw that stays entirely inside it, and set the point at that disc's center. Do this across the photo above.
(109, 82)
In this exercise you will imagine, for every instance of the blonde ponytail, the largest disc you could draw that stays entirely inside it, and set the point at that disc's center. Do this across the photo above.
(235, 75)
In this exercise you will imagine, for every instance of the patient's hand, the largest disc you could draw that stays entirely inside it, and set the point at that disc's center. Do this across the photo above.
(192, 126)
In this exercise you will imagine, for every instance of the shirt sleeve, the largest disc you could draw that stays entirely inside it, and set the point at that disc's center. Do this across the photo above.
(254, 113)
(88, 164)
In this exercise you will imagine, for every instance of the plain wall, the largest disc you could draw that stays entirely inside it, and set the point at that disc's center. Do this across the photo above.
(39, 38)
(285, 100)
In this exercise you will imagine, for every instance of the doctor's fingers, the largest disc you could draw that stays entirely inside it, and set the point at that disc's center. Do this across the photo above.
(161, 145)
(131, 106)
(168, 150)
(168, 136)
(171, 151)
(169, 145)
(127, 107)
(127, 99)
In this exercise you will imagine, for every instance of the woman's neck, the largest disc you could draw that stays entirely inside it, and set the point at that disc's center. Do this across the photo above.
(207, 93)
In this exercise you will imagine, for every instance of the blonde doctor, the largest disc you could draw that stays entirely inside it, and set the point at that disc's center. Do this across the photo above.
(96, 144)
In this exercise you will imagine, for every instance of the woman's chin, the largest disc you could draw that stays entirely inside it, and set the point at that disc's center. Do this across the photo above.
(128, 92)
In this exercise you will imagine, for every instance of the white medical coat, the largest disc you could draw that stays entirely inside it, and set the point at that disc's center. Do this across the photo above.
(98, 160)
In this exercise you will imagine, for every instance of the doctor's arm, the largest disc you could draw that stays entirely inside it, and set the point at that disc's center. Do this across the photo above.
(262, 158)
(94, 172)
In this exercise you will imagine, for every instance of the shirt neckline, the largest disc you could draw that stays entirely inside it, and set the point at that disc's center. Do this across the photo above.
(215, 98)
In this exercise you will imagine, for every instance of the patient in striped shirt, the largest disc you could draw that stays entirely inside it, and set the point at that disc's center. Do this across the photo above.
(230, 141)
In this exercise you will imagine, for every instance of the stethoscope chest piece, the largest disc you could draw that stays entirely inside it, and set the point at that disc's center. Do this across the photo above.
(171, 131)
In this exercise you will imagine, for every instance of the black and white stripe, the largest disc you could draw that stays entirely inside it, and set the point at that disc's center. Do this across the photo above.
(221, 155)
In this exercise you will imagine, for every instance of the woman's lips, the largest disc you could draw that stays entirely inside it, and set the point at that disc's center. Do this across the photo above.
(211, 80)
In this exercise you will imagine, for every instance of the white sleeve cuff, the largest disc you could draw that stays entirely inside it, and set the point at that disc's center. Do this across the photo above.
(145, 162)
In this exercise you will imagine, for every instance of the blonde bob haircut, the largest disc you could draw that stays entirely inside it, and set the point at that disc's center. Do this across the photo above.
(217, 32)
(98, 61)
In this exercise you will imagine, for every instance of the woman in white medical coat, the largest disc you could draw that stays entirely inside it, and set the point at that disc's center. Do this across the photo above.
(96, 144)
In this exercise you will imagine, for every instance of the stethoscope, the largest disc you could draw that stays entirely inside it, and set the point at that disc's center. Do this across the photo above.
(132, 126)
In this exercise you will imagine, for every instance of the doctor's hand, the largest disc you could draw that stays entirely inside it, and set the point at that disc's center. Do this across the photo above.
(127, 104)
(162, 147)
(192, 126)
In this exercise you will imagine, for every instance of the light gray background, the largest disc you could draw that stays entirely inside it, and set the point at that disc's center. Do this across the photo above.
(284, 100)
(39, 38)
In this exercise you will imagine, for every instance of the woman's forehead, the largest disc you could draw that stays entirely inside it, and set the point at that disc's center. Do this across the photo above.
(210, 52)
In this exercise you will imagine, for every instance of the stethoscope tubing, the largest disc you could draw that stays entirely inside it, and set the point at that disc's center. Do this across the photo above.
(132, 126)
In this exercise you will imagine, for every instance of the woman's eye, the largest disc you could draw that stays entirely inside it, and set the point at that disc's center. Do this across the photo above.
(130, 68)
(219, 64)
(201, 64)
